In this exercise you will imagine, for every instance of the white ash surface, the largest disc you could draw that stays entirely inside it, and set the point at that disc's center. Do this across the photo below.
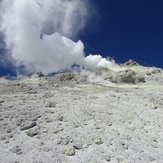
(73, 121)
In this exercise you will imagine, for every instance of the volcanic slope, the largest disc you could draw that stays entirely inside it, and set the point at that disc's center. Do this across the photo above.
(100, 116)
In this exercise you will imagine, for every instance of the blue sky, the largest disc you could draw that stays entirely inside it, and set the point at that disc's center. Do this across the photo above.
(123, 30)
(128, 29)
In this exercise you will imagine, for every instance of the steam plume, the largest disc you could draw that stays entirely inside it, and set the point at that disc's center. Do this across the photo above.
(38, 35)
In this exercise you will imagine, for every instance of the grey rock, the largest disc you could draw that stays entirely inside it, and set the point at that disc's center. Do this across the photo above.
(46, 149)
(107, 158)
(73, 77)
(154, 106)
(127, 76)
(10, 135)
(139, 79)
(7, 141)
(8, 131)
(64, 141)
(78, 146)
(86, 145)
(19, 121)
(156, 71)
(148, 73)
(1, 100)
(2, 138)
(58, 141)
(80, 78)
(98, 141)
(16, 150)
(37, 75)
(33, 124)
(131, 63)
(109, 124)
(97, 127)
(32, 133)
(48, 120)
(56, 85)
(60, 118)
(36, 118)
(60, 129)
(70, 151)
(19, 152)
(151, 158)
(50, 105)
(64, 77)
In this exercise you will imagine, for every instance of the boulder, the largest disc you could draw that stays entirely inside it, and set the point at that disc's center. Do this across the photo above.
(156, 71)
(139, 79)
(128, 76)
(64, 77)
(131, 63)
(1, 100)
(37, 75)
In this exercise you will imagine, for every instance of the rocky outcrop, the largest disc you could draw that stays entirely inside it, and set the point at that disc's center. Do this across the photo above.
(37, 75)
(64, 77)
(69, 77)
(156, 71)
(130, 63)
(128, 76)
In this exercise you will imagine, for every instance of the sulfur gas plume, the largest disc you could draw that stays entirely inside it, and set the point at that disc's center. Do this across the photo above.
(38, 35)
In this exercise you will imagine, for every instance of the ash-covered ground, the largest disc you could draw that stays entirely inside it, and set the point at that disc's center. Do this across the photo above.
(86, 117)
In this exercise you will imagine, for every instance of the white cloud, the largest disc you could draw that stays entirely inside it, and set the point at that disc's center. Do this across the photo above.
(38, 34)
(94, 61)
